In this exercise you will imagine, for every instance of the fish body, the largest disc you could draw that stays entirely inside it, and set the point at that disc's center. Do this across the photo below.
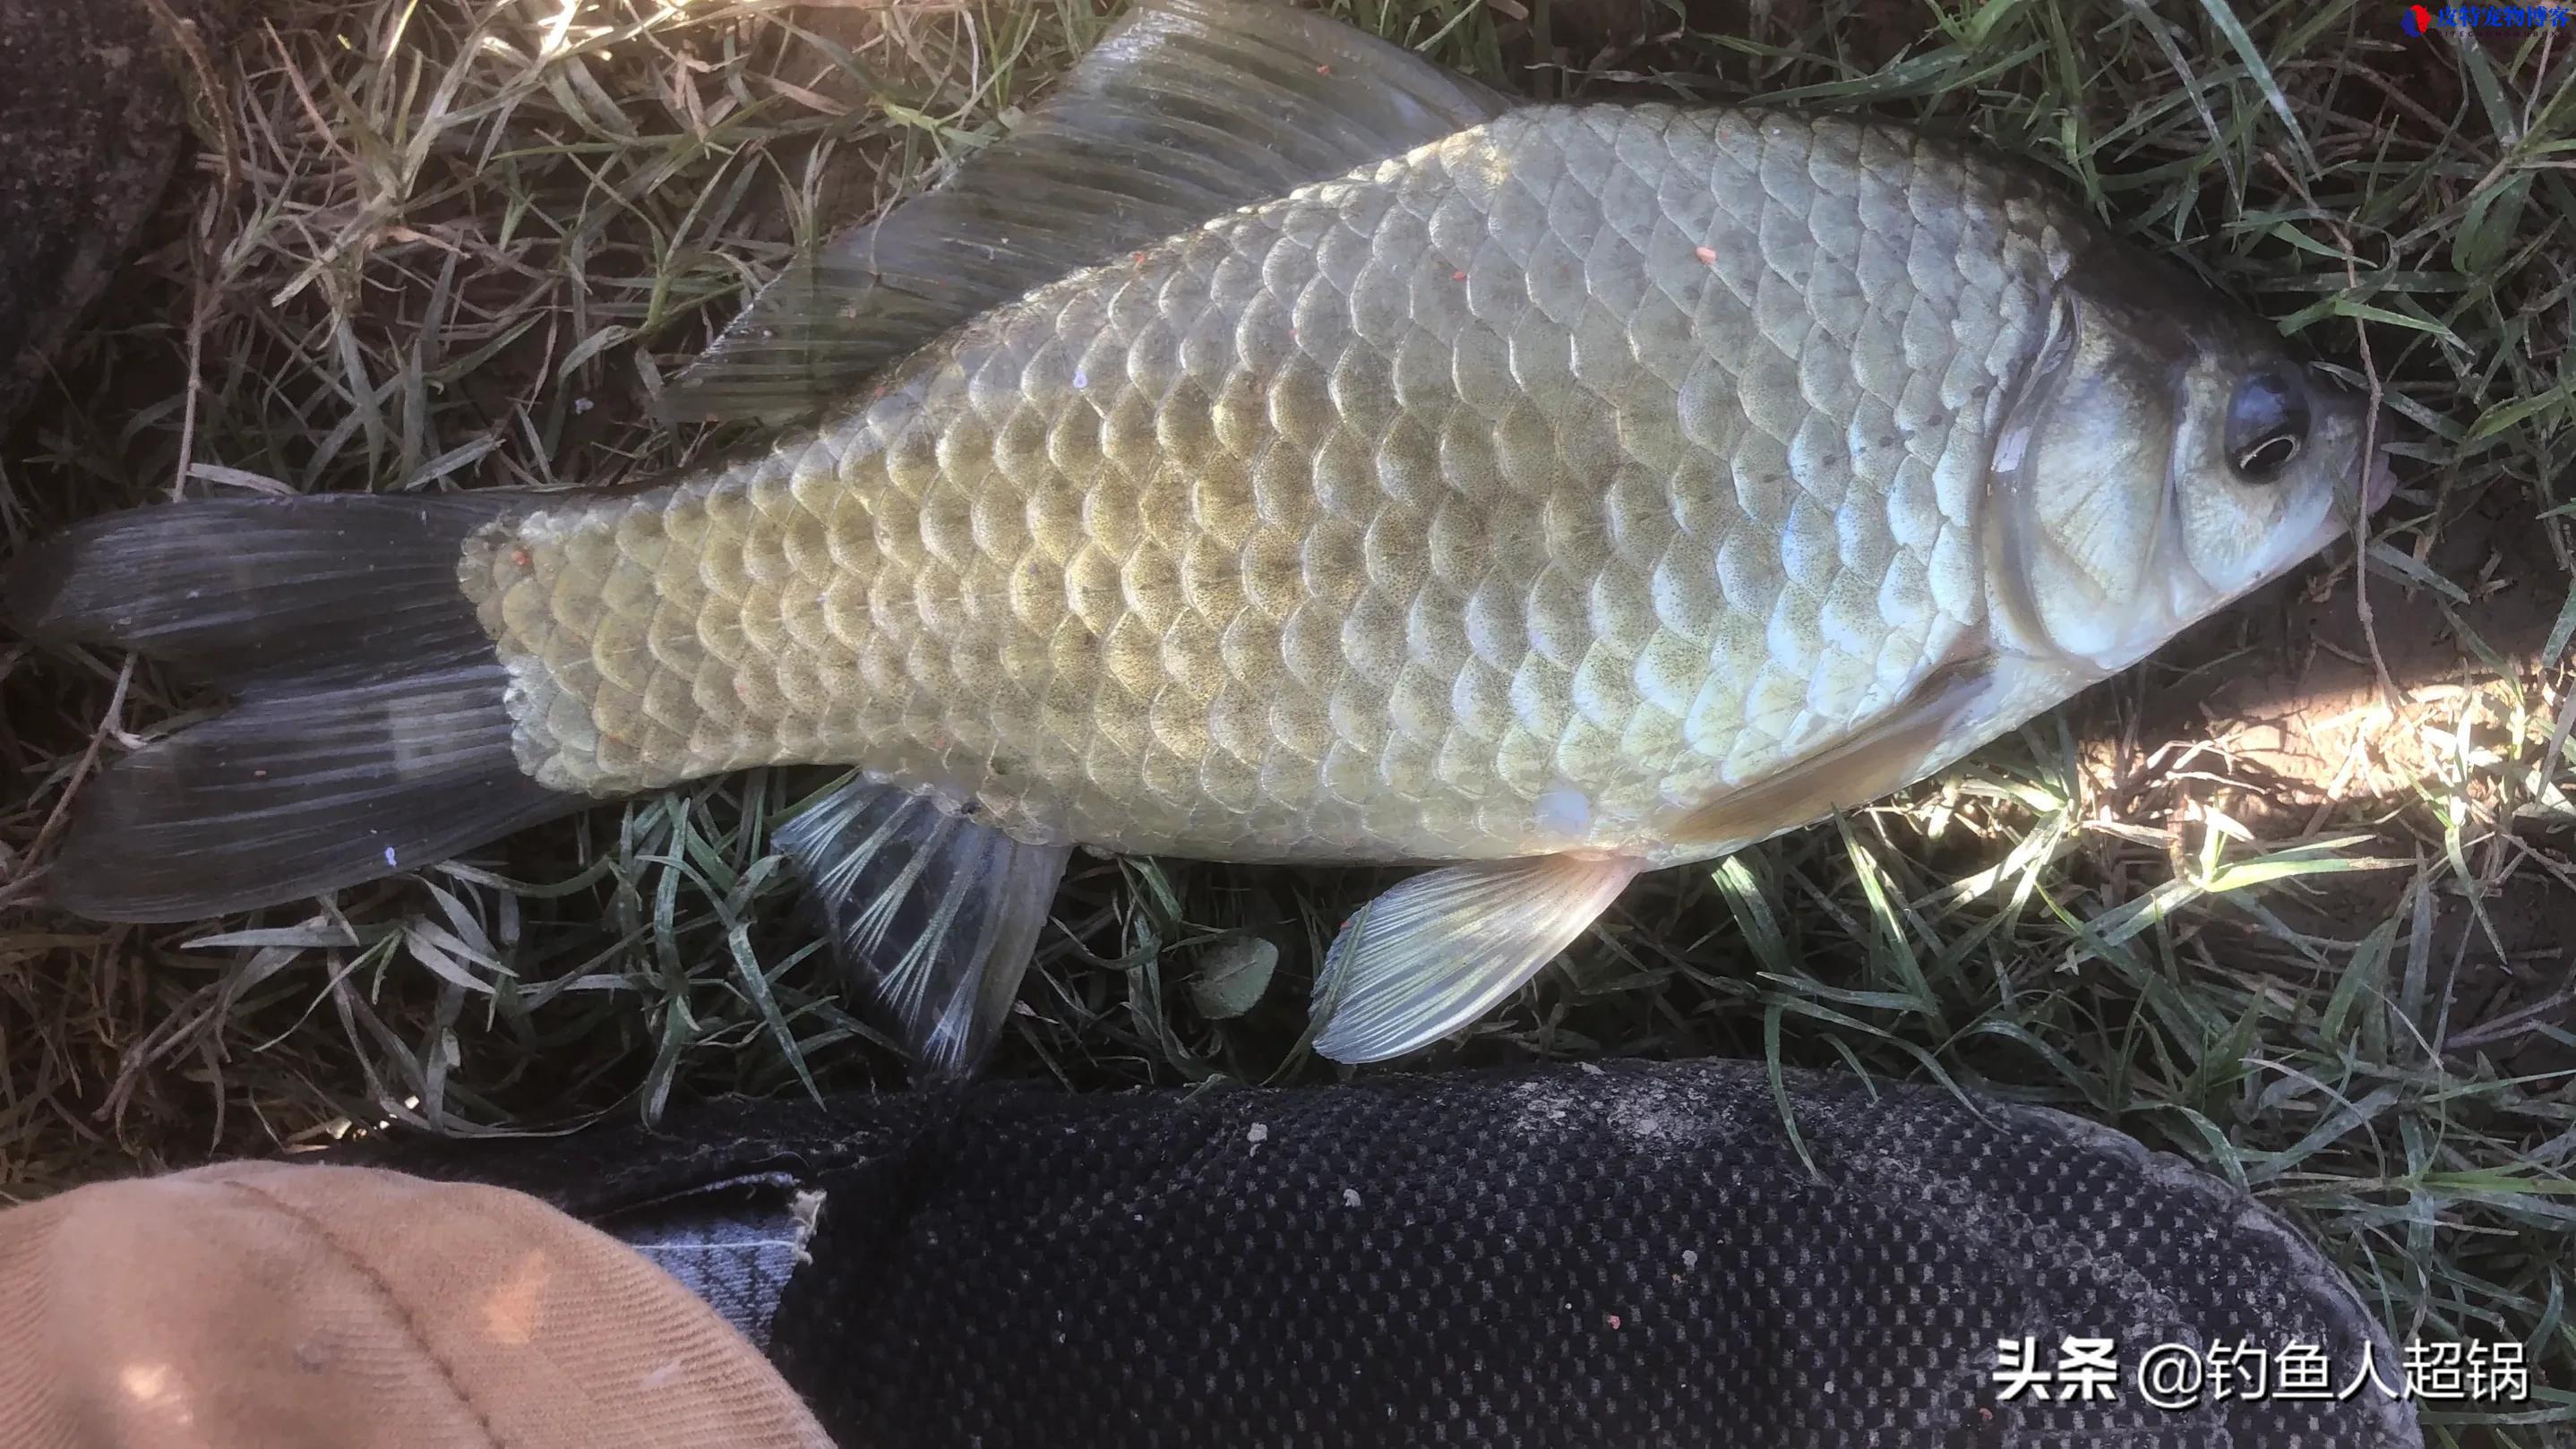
(1523, 493)
(1279, 449)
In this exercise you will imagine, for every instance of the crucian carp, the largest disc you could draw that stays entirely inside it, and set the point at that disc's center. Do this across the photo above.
(1277, 448)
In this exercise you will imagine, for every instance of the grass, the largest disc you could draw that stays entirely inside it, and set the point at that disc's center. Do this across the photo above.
(433, 243)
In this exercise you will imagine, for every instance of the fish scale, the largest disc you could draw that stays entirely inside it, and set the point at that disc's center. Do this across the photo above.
(1598, 458)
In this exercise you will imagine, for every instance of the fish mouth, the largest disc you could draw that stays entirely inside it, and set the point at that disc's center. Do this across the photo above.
(2378, 485)
(2366, 492)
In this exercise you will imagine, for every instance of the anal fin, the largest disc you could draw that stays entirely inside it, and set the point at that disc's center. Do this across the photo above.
(932, 916)
(1439, 950)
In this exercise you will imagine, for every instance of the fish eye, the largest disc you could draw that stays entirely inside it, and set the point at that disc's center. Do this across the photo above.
(2267, 424)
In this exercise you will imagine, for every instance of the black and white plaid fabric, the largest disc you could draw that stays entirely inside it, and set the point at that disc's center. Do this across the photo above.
(733, 1246)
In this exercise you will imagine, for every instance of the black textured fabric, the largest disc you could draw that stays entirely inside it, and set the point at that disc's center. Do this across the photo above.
(1621, 1256)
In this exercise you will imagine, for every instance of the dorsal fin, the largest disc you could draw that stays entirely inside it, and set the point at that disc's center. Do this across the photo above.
(1186, 110)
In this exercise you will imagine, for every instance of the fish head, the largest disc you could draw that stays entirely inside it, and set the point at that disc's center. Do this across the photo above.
(2163, 454)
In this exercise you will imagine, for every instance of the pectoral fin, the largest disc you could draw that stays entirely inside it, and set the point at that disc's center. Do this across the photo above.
(1885, 757)
(1436, 952)
(931, 916)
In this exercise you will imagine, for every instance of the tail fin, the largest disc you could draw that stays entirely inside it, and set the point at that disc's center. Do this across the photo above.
(370, 735)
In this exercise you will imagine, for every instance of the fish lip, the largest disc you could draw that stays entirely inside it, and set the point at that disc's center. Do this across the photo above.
(2378, 485)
